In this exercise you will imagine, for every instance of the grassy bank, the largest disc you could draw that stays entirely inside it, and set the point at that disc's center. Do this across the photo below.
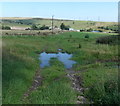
(97, 64)
(19, 66)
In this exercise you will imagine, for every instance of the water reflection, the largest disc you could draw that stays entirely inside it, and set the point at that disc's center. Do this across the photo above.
(63, 57)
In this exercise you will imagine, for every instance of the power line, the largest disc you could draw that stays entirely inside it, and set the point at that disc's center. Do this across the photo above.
(98, 18)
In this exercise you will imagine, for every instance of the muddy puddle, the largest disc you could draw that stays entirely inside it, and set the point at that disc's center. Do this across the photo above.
(62, 57)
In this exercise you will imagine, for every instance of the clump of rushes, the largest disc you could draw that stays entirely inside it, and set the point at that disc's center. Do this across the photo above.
(86, 36)
(79, 45)
(70, 36)
(113, 39)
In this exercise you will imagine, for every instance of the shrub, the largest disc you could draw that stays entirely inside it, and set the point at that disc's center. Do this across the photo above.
(111, 27)
(27, 29)
(64, 27)
(79, 45)
(6, 28)
(113, 39)
(70, 36)
(86, 36)
(104, 93)
(44, 27)
(89, 30)
(34, 27)
(82, 30)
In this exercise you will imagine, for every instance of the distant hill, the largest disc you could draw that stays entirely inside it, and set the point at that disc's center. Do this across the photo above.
(26, 22)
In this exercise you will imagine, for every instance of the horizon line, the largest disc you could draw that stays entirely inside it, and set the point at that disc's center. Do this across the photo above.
(62, 19)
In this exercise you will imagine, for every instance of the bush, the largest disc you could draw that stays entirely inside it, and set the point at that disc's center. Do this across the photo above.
(113, 39)
(86, 36)
(104, 93)
(70, 36)
(44, 27)
(102, 27)
(79, 46)
(64, 27)
(34, 27)
(82, 30)
(89, 30)
(6, 28)
(111, 27)
(27, 29)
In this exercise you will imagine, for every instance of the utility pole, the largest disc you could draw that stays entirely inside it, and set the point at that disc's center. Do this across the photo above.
(87, 18)
(52, 23)
(98, 18)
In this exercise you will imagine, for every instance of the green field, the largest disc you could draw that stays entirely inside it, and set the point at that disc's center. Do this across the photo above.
(96, 66)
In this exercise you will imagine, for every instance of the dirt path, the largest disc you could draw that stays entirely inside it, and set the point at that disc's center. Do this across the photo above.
(77, 85)
(35, 84)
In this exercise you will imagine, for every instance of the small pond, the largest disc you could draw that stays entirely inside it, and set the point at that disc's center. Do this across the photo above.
(63, 57)
(95, 31)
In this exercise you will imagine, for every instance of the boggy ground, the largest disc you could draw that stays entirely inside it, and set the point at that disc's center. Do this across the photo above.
(97, 76)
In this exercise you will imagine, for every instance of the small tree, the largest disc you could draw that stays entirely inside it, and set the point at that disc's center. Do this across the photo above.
(34, 27)
(62, 26)
(6, 27)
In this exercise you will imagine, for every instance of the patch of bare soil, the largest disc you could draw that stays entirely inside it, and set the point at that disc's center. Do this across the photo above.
(110, 60)
(77, 85)
(35, 84)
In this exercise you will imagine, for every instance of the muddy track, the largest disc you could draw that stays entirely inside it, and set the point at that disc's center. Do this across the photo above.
(71, 74)
(37, 81)
(77, 86)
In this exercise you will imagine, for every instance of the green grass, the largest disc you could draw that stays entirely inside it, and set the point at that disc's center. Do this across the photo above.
(15, 25)
(56, 87)
(20, 61)
(0, 71)
(18, 72)
(102, 84)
